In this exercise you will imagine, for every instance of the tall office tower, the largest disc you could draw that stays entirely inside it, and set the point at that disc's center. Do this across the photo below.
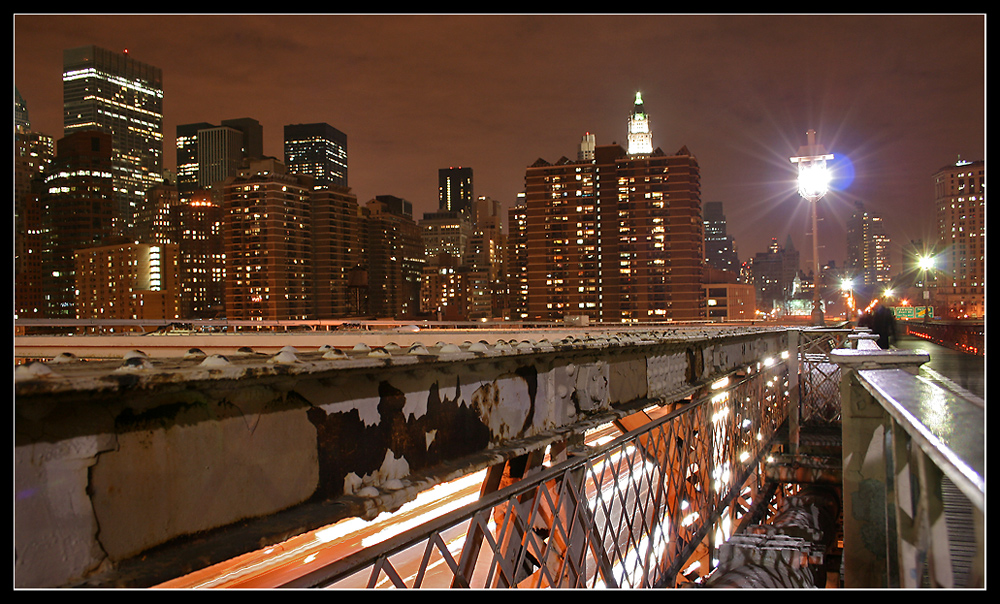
(128, 281)
(187, 156)
(960, 272)
(208, 154)
(253, 137)
(267, 230)
(720, 249)
(446, 233)
(640, 136)
(587, 145)
(455, 192)
(443, 291)
(77, 211)
(486, 260)
(220, 155)
(619, 239)
(318, 150)
(486, 247)
(395, 258)
(516, 261)
(196, 226)
(152, 218)
(867, 247)
(21, 119)
(33, 155)
(338, 249)
(774, 273)
(113, 93)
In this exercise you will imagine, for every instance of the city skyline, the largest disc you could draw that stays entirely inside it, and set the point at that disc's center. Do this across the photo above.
(898, 96)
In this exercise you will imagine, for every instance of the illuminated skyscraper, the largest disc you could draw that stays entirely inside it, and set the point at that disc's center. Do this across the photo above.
(33, 154)
(516, 261)
(720, 250)
(267, 234)
(77, 211)
(195, 225)
(640, 136)
(394, 254)
(317, 150)
(113, 93)
(208, 154)
(455, 193)
(867, 247)
(187, 156)
(619, 239)
(338, 249)
(960, 268)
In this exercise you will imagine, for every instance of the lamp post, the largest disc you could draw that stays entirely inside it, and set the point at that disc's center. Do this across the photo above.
(814, 182)
(847, 285)
(926, 264)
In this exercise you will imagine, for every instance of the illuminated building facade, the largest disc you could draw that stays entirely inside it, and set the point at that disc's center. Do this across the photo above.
(960, 270)
(77, 211)
(516, 261)
(446, 233)
(338, 249)
(394, 252)
(113, 93)
(487, 260)
(455, 189)
(720, 249)
(317, 150)
(773, 275)
(730, 301)
(196, 226)
(128, 281)
(208, 154)
(220, 155)
(33, 155)
(187, 156)
(619, 239)
(640, 134)
(267, 232)
(867, 247)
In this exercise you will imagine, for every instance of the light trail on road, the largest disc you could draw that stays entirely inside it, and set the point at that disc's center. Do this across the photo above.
(281, 563)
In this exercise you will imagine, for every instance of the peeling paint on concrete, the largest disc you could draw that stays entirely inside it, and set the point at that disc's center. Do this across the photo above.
(371, 427)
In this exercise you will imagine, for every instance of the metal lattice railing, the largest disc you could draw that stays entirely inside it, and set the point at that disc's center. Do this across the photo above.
(627, 513)
(819, 378)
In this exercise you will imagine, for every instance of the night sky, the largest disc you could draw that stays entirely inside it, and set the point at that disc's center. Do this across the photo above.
(894, 98)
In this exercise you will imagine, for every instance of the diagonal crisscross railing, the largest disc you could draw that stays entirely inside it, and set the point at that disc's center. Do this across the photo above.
(631, 512)
(819, 378)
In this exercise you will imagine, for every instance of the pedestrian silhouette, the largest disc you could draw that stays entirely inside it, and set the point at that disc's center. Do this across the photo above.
(881, 320)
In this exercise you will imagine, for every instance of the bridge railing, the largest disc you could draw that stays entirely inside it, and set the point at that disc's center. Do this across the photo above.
(914, 474)
(635, 511)
(627, 513)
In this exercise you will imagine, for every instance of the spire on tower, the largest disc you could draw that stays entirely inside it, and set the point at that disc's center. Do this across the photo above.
(640, 137)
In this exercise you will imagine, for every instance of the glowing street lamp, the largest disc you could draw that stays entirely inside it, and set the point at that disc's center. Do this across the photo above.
(926, 265)
(847, 285)
(814, 182)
